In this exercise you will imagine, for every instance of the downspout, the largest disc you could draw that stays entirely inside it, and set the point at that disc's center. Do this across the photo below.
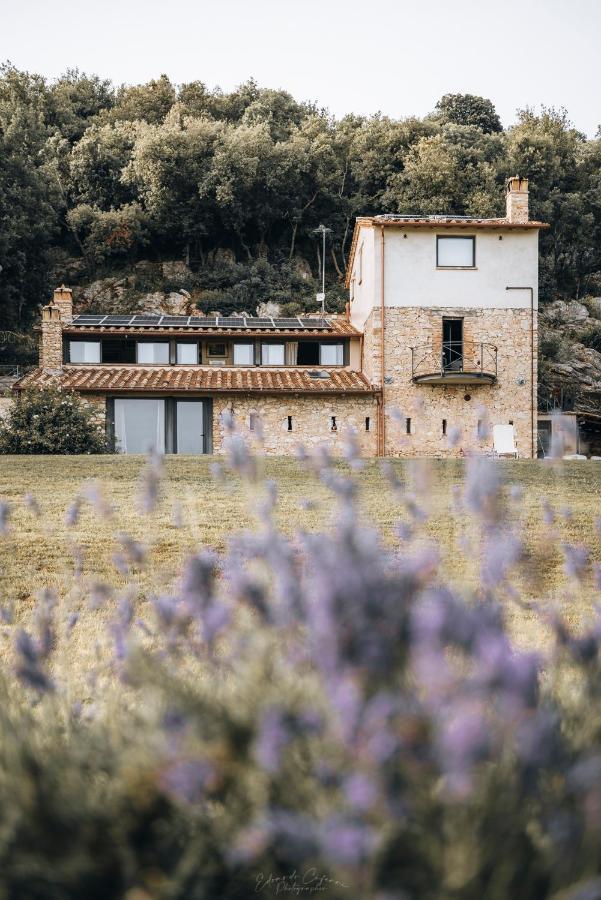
(382, 368)
(532, 385)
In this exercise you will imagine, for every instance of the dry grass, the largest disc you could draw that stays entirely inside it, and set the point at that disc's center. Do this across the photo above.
(38, 552)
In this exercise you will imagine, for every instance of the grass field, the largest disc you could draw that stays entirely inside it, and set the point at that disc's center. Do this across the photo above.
(39, 551)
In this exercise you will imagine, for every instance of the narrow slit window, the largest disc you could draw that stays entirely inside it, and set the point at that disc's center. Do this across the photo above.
(252, 421)
(333, 425)
(289, 423)
(408, 426)
(444, 426)
(367, 423)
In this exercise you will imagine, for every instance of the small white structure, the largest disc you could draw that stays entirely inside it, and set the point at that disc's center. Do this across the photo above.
(503, 438)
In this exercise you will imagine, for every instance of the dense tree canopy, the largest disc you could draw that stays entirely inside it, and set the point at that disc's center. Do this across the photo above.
(95, 178)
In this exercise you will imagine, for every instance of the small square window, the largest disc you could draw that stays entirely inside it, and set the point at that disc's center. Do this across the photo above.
(84, 351)
(187, 354)
(244, 354)
(272, 354)
(152, 352)
(216, 350)
(331, 354)
(455, 252)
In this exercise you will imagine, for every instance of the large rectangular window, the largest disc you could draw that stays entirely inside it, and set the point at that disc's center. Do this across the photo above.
(244, 354)
(140, 425)
(272, 354)
(187, 354)
(189, 426)
(152, 352)
(455, 252)
(84, 351)
(331, 355)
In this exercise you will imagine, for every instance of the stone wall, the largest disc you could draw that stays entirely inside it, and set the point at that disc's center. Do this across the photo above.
(462, 406)
(51, 345)
(311, 421)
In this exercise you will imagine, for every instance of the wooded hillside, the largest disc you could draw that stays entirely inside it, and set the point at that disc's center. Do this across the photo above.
(96, 178)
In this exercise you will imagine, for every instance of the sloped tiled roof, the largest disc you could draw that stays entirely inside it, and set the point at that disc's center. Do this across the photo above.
(138, 379)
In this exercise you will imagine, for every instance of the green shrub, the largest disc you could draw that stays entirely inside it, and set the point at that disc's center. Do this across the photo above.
(592, 337)
(51, 421)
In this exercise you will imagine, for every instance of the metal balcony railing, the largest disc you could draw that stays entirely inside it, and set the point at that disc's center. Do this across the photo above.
(454, 362)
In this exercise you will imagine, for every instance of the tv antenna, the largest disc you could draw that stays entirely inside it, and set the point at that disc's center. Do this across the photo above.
(321, 298)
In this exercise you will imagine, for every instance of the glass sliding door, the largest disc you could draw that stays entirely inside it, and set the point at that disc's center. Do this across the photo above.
(140, 425)
(189, 426)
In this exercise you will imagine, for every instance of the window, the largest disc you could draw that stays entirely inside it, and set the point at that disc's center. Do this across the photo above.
(408, 426)
(456, 252)
(84, 351)
(308, 353)
(444, 426)
(253, 421)
(168, 425)
(117, 350)
(272, 354)
(244, 354)
(217, 350)
(331, 354)
(187, 354)
(333, 425)
(150, 352)
(289, 423)
(140, 425)
(367, 423)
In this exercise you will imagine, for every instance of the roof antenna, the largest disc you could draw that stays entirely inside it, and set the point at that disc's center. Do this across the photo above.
(321, 298)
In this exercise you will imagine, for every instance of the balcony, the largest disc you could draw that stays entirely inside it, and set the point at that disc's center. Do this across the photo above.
(454, 362)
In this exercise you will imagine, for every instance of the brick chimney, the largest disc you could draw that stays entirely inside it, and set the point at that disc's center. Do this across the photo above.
(63, 299)
(51, 347)
(517, 200)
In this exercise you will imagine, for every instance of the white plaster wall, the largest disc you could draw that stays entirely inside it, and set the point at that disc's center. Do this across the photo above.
(411, 278)
(366, 292)
(502, 258)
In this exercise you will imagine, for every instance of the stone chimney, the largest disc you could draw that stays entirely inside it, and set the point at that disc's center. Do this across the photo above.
(517, 200)
(51, 348)
(63, 299)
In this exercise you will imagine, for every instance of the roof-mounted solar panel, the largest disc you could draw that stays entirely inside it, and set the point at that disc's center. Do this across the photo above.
(117, 320)
(146, 320)
(203, 321)
(288, 323)
(231, 322)
(87, 319)
(260, 323)
(175, 320)
(315, 323)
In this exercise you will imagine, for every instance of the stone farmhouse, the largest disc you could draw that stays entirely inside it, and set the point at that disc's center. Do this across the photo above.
(438, 343)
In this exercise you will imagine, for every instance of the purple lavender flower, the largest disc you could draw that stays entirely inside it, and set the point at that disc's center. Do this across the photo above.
(188, 780)
(29, 664)
(73, 513)
(275, 733)
(576, 560)
(32, 505)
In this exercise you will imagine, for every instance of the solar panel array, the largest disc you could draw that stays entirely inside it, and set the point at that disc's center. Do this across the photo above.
(149, 321)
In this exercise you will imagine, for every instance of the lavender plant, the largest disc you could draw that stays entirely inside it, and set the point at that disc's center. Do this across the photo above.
(315, 714)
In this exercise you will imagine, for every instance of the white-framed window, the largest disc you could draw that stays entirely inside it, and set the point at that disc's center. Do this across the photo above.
(152, 352)
(84, 351)
(455, 252)
(244, 354)
(331, 354)
(272, 354)
(187, 354)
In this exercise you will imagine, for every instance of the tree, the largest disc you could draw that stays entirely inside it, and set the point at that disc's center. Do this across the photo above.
(49, 420)
(467, 109)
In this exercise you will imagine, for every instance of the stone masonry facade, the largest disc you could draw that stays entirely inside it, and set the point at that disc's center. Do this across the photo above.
(469, 410)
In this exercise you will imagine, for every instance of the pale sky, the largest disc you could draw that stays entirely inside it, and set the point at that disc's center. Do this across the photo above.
(395, 56)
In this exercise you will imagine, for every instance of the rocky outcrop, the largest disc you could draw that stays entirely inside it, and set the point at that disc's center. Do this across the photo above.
(567, 360)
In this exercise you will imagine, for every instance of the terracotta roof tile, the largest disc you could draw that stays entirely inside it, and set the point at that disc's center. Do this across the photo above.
(138, 379)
